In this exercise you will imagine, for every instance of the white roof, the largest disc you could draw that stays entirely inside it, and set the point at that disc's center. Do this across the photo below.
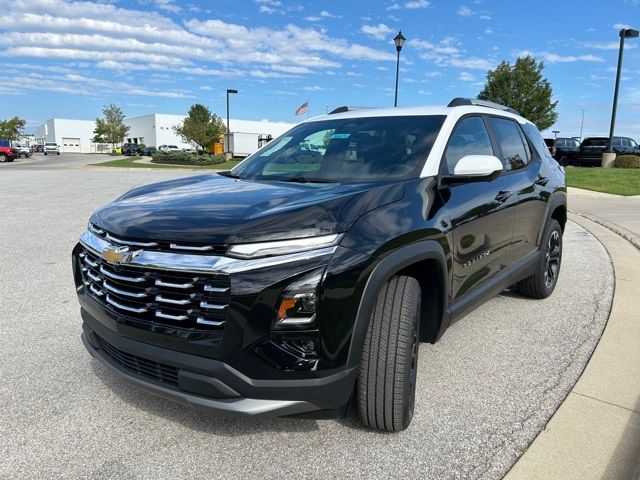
(423, 110)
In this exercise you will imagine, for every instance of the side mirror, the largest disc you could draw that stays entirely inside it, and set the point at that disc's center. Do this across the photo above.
(477, 166)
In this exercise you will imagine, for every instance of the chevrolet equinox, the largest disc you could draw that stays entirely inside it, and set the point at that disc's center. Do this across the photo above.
(304, 280)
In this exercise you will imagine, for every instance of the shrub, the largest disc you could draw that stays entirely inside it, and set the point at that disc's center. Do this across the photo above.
(628, 161)
(186, 158)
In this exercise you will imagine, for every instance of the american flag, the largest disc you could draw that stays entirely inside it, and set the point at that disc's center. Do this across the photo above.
(304, 108)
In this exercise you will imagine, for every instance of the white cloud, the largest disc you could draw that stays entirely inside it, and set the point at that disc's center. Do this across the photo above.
(314, 88)
(606, 45)
(379, 32)
(465, 11)
(359, 85)
(466, 77)
(206, 87)
(417, 4)
(620, 26)
(448, 53)
(551, 57)
(268, 6)
(168, 5)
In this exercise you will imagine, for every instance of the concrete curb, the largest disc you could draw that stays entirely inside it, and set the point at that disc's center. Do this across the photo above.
(595, 433)
(623, 232)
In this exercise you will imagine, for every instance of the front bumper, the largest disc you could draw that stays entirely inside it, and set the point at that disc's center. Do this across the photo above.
(212, 385)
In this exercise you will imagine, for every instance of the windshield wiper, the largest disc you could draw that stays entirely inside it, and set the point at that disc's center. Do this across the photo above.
(230, 174)
(304, 180)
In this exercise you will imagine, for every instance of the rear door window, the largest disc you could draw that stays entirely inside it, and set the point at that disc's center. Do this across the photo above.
(515, 151)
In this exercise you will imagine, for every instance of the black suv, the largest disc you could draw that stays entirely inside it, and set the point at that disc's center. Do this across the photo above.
(130, 149)
(566, 150)
(306, 278)
(592, 148)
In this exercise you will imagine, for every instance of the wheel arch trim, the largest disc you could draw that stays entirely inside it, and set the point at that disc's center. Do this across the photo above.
(384, 269)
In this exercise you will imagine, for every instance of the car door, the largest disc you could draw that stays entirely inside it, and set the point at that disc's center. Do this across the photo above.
(480, 213)
(522, 165)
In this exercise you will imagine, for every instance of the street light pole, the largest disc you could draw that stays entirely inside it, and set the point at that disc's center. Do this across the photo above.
(555, 133)
(399, 42)
(624, 33)
(582, 124)
(229, 91)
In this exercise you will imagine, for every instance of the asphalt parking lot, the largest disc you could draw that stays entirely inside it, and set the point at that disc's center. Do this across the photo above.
(484, 391)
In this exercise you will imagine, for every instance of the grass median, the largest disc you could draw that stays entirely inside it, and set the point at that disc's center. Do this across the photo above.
(618, 181)
(130, 162)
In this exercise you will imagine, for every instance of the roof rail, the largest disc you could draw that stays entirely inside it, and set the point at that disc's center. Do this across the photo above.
(460, 101)
(345, 108)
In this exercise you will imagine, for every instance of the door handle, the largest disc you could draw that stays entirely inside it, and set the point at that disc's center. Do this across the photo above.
(542, 181)
(503, 196)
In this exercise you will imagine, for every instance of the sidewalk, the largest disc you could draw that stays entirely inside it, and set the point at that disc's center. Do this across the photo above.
(618, 213)
(595, 434)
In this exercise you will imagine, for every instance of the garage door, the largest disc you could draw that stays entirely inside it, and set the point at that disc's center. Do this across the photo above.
(70, 145)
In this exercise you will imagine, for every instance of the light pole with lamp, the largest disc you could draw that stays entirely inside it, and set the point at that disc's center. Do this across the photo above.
(228, 136)
(608, 159)
(555, 133)
(399, 42)
(582, 124)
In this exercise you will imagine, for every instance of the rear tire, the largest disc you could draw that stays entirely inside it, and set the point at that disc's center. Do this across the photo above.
(542, 283)
(387, 381)
(3, 158)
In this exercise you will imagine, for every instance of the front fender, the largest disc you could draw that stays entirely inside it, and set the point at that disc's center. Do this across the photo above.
(383, 270)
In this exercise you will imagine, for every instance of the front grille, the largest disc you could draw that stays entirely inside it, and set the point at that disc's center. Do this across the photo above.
(162, 246)
(141, 366)
(177, 299)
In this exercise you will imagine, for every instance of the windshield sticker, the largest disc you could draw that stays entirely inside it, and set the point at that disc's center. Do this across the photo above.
(341, 135)
(276, 147)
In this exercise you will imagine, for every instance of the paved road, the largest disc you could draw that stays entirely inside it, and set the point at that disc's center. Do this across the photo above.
(618, 210)
(484, 391)
(64, 161)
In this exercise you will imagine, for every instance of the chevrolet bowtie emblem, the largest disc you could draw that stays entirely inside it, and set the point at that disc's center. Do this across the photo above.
(119, 255)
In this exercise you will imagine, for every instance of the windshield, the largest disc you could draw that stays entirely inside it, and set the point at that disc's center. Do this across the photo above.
(346, 150)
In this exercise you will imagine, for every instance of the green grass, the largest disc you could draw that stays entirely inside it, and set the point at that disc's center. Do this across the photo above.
(619, 181)
(128, 162)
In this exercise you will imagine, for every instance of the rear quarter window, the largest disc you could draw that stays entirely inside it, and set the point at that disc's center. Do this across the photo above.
(535, 139)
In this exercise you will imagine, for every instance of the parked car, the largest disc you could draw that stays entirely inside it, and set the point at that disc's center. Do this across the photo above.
(130, 149)
(7, 154)
(295, 285)
(148, 151)
(168, 148)
(51, 147)
(567, 150)
(551, 146)
(23, 150)
(592, 148)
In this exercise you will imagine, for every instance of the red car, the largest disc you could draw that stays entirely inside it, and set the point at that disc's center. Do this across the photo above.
(8, 154)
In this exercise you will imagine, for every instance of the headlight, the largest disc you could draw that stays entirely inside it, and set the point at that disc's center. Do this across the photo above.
(282, 247)
(297, 307)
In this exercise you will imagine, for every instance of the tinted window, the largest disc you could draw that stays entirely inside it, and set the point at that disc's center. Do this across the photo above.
(469, 138)
(347, 150)
(595, 142)
(514, 151)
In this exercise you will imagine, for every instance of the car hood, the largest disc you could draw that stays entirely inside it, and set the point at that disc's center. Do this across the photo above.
(215, 208)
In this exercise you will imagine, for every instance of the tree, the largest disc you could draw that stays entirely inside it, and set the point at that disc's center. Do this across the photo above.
(110, 129)
(522, 87)
(200, 128)
(12, 129)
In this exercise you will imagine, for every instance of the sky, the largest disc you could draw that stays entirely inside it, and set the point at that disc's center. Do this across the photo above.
(67, 59)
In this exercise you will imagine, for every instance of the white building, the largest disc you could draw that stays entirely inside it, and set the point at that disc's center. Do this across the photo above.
(153, 130)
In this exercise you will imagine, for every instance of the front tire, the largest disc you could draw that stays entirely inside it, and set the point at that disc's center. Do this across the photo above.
(3, 158)
(542, 283)
(387, 382)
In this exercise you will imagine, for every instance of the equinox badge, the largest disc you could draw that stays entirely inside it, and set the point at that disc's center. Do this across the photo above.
(119, 255)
